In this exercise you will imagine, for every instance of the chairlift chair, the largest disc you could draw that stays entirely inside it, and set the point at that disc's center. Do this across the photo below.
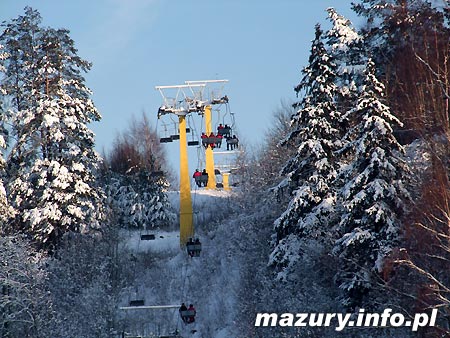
(225, 131)
(214, 140)
(194, 247)
(148, 237)
(189, 314)
(193, 143)
(201, 180)
(137, 302)
(165, 139)
(233, 141)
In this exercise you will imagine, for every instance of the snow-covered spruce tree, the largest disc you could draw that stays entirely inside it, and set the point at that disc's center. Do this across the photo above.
(139, 199)
(311, 171)
(51, 165)
(373, 197)
(346, 47)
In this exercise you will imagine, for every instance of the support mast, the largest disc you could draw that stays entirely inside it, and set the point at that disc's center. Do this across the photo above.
(209, 154)
(186, 212)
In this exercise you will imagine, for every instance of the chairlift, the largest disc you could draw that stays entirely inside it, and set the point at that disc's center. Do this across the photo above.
(212, 140)
(170, 334)
(201, 180)
(232, 143)
(193, 143)
(194, 247)
(176, 135)
(225, 131)
(165, 139)
(137, 302)
(189, 315)
(148, 237)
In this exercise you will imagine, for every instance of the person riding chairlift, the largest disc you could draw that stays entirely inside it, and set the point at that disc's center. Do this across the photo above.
(197, 175)
(226, 131)
(204, 140)
(191, 318)
(204, 177)
(219, 140)
(182, 309)
(212, 137)
(232, 142)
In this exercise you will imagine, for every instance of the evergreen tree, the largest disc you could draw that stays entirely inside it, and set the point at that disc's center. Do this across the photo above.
(373, 197)
(139, 199)
(5, 210)
(52, 164)
(311, 171)
(20, 39)
(136, 184)
(346, 47)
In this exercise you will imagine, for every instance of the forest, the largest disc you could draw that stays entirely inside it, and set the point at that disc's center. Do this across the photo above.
(345, 207)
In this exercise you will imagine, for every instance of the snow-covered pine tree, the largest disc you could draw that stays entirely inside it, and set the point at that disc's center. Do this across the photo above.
(52, 163)
(20, 39)
(373, 197)
(311, 171)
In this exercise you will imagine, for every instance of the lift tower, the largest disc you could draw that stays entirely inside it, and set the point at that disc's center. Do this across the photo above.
(181, 105)
(204, 102)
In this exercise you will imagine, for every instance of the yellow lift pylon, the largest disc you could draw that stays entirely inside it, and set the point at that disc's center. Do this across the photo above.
(181, 105)
(190, 98)
(186, 211)
(209, 153)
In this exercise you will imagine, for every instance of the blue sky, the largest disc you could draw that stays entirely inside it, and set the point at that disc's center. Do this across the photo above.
(260, 46)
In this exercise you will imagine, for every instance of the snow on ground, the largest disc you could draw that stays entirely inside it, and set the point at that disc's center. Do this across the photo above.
(164, 242)
(163, 274)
